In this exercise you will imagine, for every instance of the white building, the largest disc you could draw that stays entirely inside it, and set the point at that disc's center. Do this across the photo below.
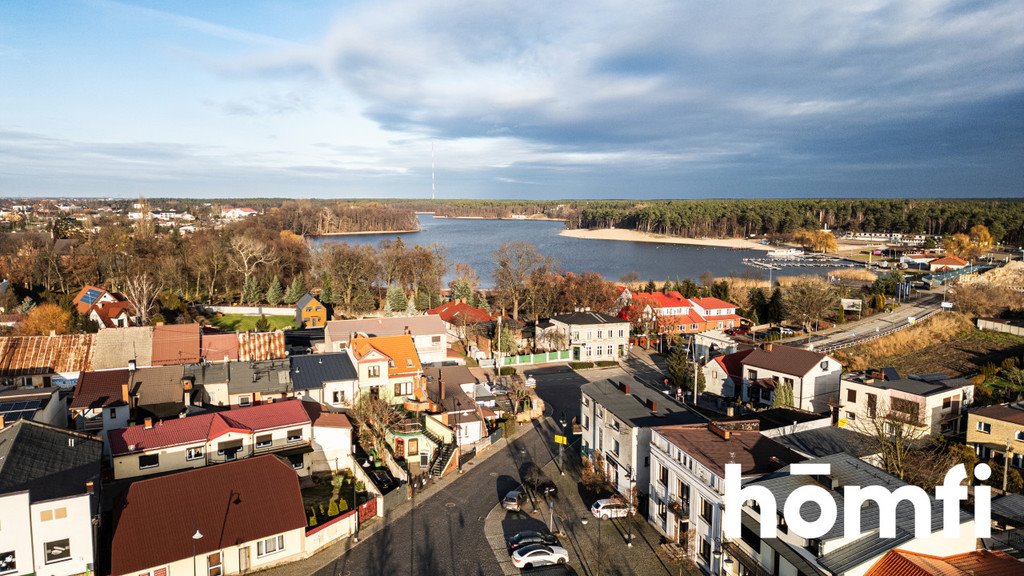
(428, 333)
(329, 379)
(49, 501)
(813, 377)
(616, 420)
(934, 403)
(688, 478)
(593, 336)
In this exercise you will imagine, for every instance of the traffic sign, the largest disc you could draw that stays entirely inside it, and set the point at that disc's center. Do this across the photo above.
(559, 439)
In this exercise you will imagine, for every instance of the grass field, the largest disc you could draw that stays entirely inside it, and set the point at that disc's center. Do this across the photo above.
(240, 323)
(945, 343)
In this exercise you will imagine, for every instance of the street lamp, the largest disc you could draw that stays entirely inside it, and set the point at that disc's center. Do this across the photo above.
(195, 539)
(629, 511)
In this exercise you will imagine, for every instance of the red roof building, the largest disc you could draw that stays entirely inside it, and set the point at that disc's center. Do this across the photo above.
(176, 344)
(460, 312)
(678, 315)
(977, 563)
(210, 517)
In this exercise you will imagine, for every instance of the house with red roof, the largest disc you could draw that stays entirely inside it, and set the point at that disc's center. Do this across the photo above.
(723, 375)
(281, 428)
(948, 262)
(107, 309)
(231, 519)
(674, 314)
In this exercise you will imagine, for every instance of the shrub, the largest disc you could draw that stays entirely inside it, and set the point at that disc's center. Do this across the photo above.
(580, 365)
(360, 486)
(508, 427)
(341, 505)
(989, 370)
(312, 520)
(605, 363)
(1014, 481)
(505, 371)
(332, 509)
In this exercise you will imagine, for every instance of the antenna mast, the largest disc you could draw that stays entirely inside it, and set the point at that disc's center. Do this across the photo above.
(433, 187)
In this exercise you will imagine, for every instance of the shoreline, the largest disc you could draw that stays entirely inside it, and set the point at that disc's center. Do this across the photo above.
(364, 232)
(543, 219)
(622, 234)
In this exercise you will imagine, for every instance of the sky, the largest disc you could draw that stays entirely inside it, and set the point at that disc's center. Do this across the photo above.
(526, 99)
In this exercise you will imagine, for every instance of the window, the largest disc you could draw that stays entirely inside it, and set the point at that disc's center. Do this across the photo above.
(193, 454)
(588, 351)
(112, 413)
(295, 435)
(663, 475)
(245, 400)
(693, 327)
(984, 427)
(297, 461)
(851, 395)
(373, 371)
(586, 421)
(54, 514)
(435, 340)
(615, 447)
(338, 397)
(907, 407)
(611, 350)
(705, 550)
(214, 564)
(872, 404)
(621, 333)
(599, 349)
(661, 510)
(149, 461)
(57, 551)
(270, 545)
(684, 491)
(8, 563)
(599, 332)
(851, 416)
(264, 440)
(751, 374)
(947, 402)
(706, 510)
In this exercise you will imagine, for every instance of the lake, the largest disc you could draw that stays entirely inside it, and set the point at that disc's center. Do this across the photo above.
(474, 241)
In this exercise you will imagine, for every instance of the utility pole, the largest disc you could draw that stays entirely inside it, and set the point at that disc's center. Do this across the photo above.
(629, 512)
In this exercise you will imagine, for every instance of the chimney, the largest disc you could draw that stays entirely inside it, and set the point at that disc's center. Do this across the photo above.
(624, 386)
(147, 423)
(124, 393)
(768, 347)
(652, 405)
(407, 331)
(89, 487)
(719, 431)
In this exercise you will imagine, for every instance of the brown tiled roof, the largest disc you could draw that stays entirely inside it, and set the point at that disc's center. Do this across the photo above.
(217, 347)
(114, 347)
(977, 563)
(323, 419)
(28, 355)
(261, 346)
(784, 359)
(1005, 412)
(99, 389)
(175, 344)
(750, 449)
(948, 261)
(158, 385)
(229, 504)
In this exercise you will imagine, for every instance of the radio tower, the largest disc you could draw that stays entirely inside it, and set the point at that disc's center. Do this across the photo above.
(433, 187)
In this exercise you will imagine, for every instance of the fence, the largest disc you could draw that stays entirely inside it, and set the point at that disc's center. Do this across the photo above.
(326, 533)
(1000, 326)
(251, 310)
(538, 358)
(872, 335)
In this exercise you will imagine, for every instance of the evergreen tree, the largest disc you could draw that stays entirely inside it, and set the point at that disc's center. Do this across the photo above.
(720, 290)
(262, 325)
(841, 316)
(680, 373)
(327, 290)
(296, 290)
(410, 307)
(275, 292)
(251, 291)
(776, 307)
(688, 289)
(783, 397)
(423, 300)
(395, 299)
(462, 289)
(757, 303)
(650, 288)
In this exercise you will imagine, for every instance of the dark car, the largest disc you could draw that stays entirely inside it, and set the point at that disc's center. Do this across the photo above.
(528, 537)
(384, 480)
(547, 488)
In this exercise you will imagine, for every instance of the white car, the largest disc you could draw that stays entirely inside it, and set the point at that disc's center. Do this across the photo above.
(539, 555)
(609, 508)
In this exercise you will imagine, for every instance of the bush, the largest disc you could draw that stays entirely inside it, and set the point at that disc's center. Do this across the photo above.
(508, 427)
(505, 371)
(580, 365)
(312, 520)
(1014, 481)
(332, 509)
(605, 363)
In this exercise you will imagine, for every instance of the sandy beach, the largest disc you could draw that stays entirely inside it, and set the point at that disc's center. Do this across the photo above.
(637, 236)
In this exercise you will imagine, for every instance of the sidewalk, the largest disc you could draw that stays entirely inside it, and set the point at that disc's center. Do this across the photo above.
(338, 549)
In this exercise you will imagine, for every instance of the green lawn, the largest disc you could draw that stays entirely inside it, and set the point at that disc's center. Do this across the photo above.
(240, 323)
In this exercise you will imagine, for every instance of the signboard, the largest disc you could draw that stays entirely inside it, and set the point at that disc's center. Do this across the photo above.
(911, 319)
(843, 422)
(559, 439)
(947, 305)
(852, 304)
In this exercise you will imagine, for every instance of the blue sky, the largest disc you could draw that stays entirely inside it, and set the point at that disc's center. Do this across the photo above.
(525, 99)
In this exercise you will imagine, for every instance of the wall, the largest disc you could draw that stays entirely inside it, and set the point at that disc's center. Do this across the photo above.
(294, 544)
(333, 448)
(437, 428)
(252, 310)
(430, 351)
(14, 535)
(325, 534)
(76, 527)
(1000, 327)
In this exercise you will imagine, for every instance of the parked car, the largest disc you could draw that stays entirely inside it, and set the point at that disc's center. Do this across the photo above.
(529, 538)
(537, 481)
(539, 555)
(513, 501)
(384, 480)
(610, 508)
(547, 487)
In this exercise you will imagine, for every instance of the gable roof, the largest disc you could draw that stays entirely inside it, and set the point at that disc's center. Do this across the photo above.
(1005, 412)
(977, 563)
(455, 398)
(324, 419)
(754, 452)
(427, 324)
(732, 364)
(949, 260)
(587, 317)
(175, 344)
(784, 359)
(86, 297)
(109, 311)
(400, 349)
(158, 385)
(261, 345)
(712, 303)
(30, 355)
(306, 299)
(311, 371)
(203, 427)
(100, 389)
(452, 312)
(47, 461)
(662, 300)
(114, 347)
(238, 502)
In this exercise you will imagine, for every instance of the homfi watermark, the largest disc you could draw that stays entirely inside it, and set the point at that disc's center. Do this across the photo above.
(951, 493)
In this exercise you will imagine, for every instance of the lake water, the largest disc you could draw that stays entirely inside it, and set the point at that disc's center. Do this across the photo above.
(474, 241)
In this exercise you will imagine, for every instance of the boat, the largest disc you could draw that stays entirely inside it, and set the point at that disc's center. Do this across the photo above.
(790, 253)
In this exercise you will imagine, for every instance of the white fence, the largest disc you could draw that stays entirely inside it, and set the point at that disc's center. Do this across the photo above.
(999, 326)
(251, 310)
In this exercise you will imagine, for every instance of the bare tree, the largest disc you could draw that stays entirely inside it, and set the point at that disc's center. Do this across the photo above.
(514, 261)
(897, 435)
(808, 301)
(141, 291)
(374, 417)
(248, 254)
(517, 394)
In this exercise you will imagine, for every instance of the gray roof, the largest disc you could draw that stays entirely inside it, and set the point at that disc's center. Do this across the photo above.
(426, 324)
(207, 373)
(43, 460)
(826, 441)
(265, 377)
(847, 470)
(915, 386)
(588, 317)
(632, 408)
(158, 385)
(451, 374)
(311, 371)
(1009, 507)
(114, 347)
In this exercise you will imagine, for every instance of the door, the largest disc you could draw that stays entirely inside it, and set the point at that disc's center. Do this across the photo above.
(424, 458)
(414, 446)
(243, 559)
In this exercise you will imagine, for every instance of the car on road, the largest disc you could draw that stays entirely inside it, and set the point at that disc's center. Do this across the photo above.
(513, 501)
(547, 488)
(610, 508)
(539, 555)
(529, 538)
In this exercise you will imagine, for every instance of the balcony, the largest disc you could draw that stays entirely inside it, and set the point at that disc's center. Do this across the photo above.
(407, 427)
(680, 508)
(737, 553)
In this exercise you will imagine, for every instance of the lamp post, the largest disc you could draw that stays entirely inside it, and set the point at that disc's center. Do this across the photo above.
(629, 511)
(195, 539)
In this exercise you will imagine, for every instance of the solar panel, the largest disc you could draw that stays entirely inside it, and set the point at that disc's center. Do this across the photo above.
(91, 295)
